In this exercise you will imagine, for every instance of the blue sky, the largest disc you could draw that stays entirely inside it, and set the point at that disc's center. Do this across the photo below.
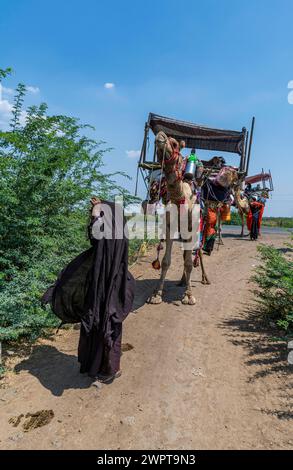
(214, 62)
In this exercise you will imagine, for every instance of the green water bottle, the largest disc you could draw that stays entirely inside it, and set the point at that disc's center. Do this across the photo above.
(191, 166)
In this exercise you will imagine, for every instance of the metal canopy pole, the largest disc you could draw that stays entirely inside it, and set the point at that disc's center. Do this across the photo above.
(246, 147)
(242, 159)
(144, 145)
(250, 143)
(271, 181)
(142, 154)
(155, 152)
(136, 183)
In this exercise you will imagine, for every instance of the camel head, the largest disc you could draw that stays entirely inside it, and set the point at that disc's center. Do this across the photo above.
(168, 148)
(95, 206)
(169, 156)
(244, 205)
(215, 162)
(241, 201)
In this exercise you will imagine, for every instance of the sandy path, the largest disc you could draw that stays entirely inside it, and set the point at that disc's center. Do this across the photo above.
(202, 376)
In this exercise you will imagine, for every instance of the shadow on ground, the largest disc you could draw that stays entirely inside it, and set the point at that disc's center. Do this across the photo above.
(267, 355)
(57, 371)
(236, 236)
(285, 250)
(145, 287)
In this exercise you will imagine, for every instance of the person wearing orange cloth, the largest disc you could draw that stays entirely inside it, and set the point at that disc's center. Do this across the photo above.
(262, 199)
(209, 235)
(254, 218)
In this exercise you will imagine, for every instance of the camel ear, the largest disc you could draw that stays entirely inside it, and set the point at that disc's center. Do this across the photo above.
(95, 200)
(174, 143)
(182, 144)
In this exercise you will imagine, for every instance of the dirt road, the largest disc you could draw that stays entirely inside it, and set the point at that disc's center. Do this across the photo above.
(194, 377)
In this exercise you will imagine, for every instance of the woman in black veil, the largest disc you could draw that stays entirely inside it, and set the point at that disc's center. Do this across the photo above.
(97, 290)
(110, 296)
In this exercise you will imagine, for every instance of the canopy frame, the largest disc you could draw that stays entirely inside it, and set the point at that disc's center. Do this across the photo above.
(261, 177)
(195, 136)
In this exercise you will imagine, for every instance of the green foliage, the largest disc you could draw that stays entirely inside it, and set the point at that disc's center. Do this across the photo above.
(274, 278)
(17, 108)
(49, 168)
(5, 72)
(286, 222)
(135, 246)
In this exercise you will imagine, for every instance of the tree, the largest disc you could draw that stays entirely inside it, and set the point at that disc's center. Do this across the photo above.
(49, 168)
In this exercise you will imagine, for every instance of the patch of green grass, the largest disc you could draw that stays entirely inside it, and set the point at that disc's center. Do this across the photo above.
(285, 222)
(274, 291)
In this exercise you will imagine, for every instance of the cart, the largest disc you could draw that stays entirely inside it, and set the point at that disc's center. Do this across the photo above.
(195, 136)
(264, 178)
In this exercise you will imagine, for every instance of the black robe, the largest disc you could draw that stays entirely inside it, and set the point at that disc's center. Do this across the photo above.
(255, 209)
(97, 289)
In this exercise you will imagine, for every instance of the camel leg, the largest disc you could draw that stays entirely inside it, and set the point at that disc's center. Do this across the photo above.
(204, 279)
(156, 298)
(188, 298)
(182, 281)
(221, 238)
(219, 223)
(242, 224)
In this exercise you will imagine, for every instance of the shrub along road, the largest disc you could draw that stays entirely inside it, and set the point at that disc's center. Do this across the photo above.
(206, 376)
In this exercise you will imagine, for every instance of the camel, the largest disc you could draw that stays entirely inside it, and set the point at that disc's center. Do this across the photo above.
(242, 205)
(241, 201)
(243, 208)
(168, 151)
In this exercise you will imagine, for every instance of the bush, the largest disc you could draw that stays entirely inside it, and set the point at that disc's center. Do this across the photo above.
(285, 222)
(49, 169)
(274, 278)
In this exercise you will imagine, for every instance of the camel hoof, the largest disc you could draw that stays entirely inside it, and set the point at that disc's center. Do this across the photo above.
(205, 282)
(188, 300)
(191, 300)
(155, 299)
(184, 301)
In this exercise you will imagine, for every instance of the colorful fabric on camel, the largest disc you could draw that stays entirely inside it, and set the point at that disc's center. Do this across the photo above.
(210, 232)
(158, 190)
(225, 211)
(226, 177)
(214, 192)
